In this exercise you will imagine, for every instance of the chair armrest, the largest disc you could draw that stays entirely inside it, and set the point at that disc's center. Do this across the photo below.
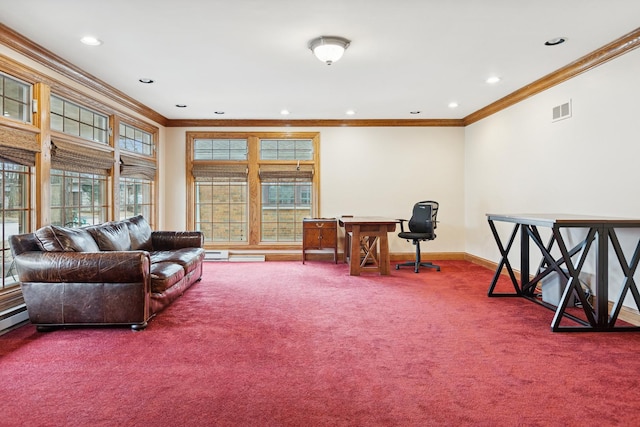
(169, 240)
(401, 221)
(84, 267)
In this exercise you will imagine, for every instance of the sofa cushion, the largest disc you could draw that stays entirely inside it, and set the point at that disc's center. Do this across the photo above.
(60, 239)
(189, 258)
(164, 275)
(140, 233)
(112, 236)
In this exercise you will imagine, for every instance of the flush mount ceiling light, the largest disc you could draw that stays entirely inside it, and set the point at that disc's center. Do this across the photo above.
(145, 80)
(329, 49)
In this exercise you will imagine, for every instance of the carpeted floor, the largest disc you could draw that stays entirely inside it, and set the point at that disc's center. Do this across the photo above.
(286, 344)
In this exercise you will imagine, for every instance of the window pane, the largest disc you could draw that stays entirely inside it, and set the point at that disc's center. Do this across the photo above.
(57, 106)
(75, 120)
(15, 99)
(221, 209)
(220, 149)
(136, 140)
(288, 149)
(135, 197)
(78, 199)
(284, 204)
(14, 214)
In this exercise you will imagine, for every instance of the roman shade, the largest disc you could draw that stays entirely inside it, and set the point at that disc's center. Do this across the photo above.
(208, 170)
(286, 171)
(137, 167)
(70, 156)
(18, 146)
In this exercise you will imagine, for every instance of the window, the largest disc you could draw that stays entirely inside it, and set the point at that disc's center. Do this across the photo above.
(137, 172)
(78, 199)
(136, 140)
(15, 99)
(15, 211)
(252, 189)
(76, 120)
(286, 188)
(221, 208)
(221, 201)
(136, 198)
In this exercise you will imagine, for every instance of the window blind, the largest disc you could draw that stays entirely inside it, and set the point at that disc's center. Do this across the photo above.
(137, 167)
(286, 171)
(73, 157)
(204, 170)
(18, 146)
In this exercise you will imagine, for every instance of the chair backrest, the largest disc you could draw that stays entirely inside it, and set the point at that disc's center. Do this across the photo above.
(423, 219)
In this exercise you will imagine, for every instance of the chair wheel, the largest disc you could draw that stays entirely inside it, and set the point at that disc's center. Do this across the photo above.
(397, 267)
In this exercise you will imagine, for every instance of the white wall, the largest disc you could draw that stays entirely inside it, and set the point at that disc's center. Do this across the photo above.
(518, 161)
(364, 171)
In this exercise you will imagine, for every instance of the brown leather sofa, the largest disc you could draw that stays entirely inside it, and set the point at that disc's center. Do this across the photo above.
(116, 273)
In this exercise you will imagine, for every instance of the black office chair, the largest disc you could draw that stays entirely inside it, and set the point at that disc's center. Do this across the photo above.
(421, 228)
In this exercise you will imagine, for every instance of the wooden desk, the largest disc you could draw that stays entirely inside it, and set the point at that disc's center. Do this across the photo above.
(368, 233)
(602, 231)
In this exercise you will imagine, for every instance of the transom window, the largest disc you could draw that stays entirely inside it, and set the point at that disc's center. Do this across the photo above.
(76, 120)
(286, 149)
(15, 99)
(220, 149)
(252, 189)
(136, 140)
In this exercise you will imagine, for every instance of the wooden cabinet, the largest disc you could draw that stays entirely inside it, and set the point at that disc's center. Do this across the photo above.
(320, 234)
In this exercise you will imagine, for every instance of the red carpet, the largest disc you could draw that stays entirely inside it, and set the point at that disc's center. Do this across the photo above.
(286, 344)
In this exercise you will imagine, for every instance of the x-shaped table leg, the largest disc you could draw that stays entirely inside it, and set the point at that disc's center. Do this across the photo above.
(504, 261)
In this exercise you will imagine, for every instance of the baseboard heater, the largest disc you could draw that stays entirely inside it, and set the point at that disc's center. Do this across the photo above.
(223, 255)
(246, 258)
(216, 255)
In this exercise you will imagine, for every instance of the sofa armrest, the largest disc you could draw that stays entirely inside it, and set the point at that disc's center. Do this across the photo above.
(169, 240)
(84, 267)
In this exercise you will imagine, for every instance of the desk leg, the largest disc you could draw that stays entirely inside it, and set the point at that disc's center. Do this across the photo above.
(385, 264)
(504, 261)
(629, 283)
(354, 261)
(573, 283)
(602, 280)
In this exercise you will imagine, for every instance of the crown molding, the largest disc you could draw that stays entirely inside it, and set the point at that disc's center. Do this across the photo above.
(44, 57)
(606, 53)
(316, 123)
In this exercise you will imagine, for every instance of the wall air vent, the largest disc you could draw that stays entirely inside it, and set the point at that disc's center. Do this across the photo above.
(562, 111)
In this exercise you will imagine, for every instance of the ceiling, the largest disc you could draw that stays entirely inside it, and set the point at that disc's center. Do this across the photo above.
(249, 59)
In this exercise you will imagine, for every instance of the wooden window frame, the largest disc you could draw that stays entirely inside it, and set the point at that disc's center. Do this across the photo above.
(253, 183)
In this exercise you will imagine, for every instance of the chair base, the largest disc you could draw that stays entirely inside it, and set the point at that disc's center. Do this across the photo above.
(416, 265)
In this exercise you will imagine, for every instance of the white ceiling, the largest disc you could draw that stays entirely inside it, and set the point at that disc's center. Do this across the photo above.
(249, 58)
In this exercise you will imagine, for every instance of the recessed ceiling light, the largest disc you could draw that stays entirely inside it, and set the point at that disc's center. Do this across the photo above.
(493, 80)
(181, 105)
(556, 41)
(218, 112)
(284, 112)
(453, 105)
(350, 112)
(414, 112)
(91, 41)
(145, 81)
